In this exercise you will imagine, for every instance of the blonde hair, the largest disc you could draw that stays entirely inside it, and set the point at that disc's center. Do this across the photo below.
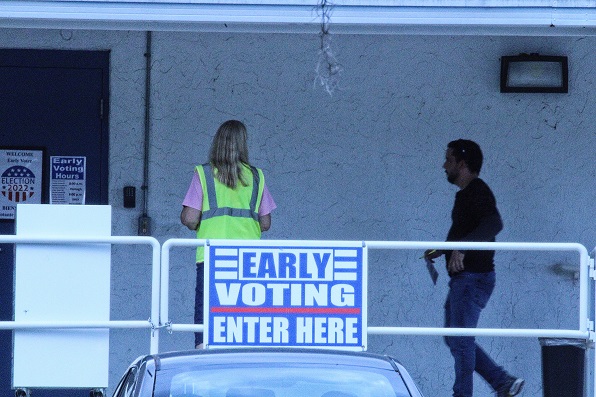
(229, 153)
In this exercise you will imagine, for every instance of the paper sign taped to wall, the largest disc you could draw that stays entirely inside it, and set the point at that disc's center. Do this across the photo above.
(21, 179)
(68, 183)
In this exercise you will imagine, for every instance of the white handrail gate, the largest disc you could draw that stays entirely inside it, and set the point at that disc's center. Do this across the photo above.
(585, 329)
(160, 289)
(76, 240)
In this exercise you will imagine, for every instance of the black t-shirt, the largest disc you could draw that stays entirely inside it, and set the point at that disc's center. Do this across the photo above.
(475, 217)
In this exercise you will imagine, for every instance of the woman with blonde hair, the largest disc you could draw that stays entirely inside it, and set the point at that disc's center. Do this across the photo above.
(227, 199)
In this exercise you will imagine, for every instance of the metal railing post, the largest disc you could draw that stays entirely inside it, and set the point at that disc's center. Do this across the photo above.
(165, 280)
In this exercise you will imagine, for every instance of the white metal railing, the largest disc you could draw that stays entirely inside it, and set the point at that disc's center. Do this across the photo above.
(582, 332)
(160, 288)
(165, 283)
(585, 330)
(128, 240)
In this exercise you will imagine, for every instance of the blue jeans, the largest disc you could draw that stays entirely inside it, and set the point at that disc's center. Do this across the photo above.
(199, 301)
(468, 295)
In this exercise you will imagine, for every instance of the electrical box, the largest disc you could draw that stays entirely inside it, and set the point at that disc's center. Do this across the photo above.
(130, 196)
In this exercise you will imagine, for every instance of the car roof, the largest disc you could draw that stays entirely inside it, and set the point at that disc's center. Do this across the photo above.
(163, 361)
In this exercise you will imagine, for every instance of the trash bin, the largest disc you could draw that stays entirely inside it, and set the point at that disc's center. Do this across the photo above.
(563, 367)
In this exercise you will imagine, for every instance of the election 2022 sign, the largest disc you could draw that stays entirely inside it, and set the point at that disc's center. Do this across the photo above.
(297, 294)
(21, 179)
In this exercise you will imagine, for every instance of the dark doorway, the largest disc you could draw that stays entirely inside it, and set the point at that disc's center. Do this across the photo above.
(57, 101)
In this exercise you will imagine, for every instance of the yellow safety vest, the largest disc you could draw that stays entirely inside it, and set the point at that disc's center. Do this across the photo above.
(230, 213)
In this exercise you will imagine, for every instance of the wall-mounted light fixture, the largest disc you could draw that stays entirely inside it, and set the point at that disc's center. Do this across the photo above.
(534, 73)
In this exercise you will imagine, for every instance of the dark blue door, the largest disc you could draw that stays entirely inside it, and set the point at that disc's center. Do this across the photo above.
(56, 101)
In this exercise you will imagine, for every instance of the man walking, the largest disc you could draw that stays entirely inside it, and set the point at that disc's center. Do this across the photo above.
(475, 217)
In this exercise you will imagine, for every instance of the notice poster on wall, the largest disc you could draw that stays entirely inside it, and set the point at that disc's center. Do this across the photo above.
(21, 177)
(67, 179)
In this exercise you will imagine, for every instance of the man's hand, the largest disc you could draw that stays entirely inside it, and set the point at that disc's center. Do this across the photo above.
(456, 262)
(430, 255)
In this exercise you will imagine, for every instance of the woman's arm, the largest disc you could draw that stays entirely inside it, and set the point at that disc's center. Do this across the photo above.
(190, 217)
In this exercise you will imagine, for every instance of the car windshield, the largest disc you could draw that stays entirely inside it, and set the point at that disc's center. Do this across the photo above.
(281, 381)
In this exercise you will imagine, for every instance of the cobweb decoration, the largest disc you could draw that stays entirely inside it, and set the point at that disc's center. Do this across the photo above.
(328, 69)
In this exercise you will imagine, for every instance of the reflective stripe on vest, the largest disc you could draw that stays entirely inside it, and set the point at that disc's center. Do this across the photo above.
(228, 221)
(214, 210)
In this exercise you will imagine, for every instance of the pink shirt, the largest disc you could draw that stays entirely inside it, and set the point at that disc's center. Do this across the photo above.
(194, 197)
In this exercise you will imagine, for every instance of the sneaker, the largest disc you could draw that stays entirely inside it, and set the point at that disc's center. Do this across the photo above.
(512, 388)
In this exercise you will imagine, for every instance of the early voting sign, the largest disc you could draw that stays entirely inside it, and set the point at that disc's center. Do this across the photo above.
(290, 293)
(68, 182)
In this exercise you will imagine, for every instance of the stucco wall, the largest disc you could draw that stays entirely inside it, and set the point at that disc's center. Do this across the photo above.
(363, 164)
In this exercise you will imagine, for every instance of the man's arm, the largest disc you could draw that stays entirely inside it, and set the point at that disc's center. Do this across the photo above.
(482, 208)
(488, 228)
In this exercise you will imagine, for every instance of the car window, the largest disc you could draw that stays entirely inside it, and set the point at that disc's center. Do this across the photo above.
(281, 381)
(126, 386)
